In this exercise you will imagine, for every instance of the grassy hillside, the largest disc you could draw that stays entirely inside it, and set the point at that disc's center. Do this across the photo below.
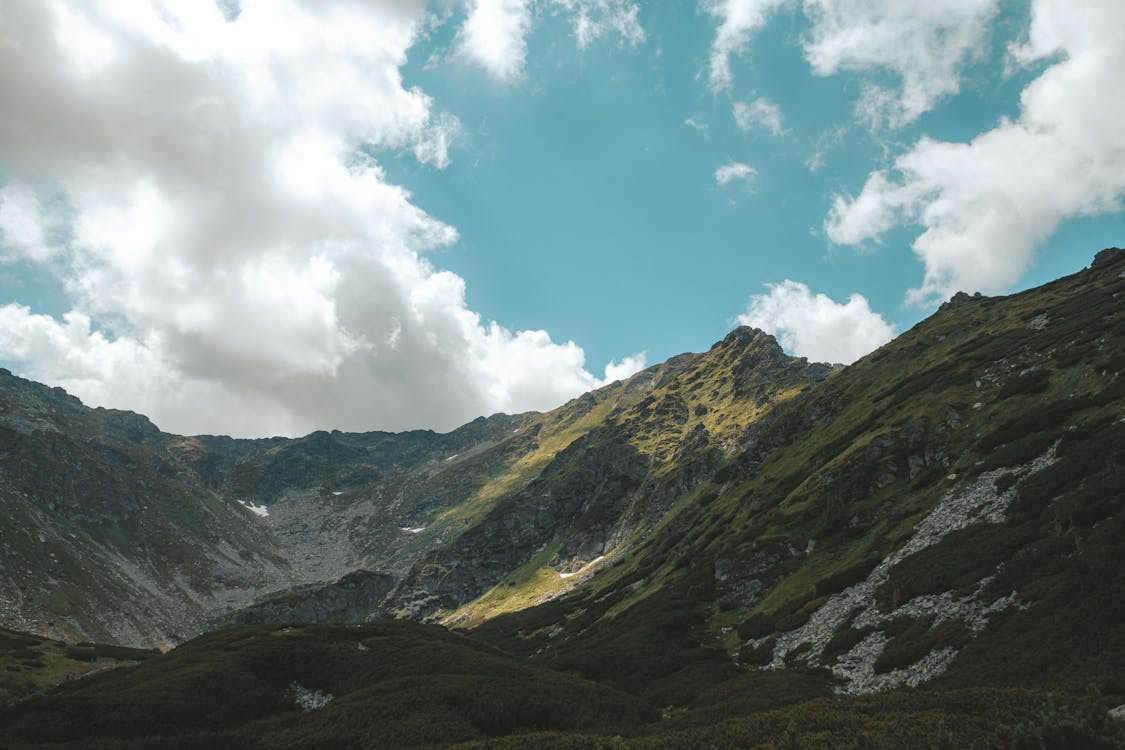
(948, 508)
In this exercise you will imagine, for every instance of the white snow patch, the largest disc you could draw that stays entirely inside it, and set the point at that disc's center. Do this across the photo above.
(590, 564)
(258, 510)
(337, 493)
(452, 457)
(412, 529)
(309, 700)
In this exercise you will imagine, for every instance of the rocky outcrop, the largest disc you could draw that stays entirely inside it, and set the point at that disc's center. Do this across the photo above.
(856, 608)
(350, 599)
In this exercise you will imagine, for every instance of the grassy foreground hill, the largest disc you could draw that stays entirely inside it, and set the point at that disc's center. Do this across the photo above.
(405, 685)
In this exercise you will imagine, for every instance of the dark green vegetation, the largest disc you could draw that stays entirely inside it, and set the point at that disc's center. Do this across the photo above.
(403, 685)
(392, 684)
(748, 542)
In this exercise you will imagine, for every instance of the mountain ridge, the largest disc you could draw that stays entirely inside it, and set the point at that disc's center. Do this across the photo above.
(325, 505)
(740, 542)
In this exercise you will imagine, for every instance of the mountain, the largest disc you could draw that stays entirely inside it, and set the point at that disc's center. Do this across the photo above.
(920, 549)
(947, 510)
(122, 533)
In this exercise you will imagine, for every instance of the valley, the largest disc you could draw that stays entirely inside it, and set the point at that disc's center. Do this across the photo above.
(735, 548)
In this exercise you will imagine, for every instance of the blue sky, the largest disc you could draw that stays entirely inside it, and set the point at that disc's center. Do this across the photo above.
(389, 215)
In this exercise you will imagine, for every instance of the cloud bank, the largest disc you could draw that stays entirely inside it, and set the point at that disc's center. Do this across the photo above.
(208, 191)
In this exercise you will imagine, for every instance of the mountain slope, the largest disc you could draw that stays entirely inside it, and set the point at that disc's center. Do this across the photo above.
(122, 533)
(948, 507)
(739, 542)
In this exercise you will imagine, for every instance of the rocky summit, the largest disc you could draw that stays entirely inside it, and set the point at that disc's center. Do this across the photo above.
(735, 548)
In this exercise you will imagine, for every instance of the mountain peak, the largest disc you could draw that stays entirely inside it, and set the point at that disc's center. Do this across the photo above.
(1108, 257)
(747, 337)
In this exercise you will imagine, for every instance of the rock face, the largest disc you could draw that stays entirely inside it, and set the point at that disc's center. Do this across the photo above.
(856, 608)
(350, 599)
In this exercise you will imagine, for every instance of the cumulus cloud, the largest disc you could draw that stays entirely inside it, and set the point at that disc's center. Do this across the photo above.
(630, 365)
(738, 20)
(984, 205)
(759, 113)
(24, 227)
(922, 43)
(494, 36)
(735, 171)
(815, 326)
(206, 187)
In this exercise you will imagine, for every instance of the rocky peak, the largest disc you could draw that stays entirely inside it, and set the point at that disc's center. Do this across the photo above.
(1107, 257)
(961, 298)
(748, 341)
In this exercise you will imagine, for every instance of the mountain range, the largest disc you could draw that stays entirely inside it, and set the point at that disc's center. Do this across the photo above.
(735, 548)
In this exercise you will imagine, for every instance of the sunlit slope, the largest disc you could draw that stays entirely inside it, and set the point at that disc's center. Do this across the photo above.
(613, 484)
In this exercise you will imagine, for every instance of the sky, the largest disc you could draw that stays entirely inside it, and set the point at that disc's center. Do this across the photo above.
(276, 216)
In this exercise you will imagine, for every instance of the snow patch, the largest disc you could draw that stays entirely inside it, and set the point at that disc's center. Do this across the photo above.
(593, 562)
(412, 529)
(452, 457)
(309, 700)
(258, 510)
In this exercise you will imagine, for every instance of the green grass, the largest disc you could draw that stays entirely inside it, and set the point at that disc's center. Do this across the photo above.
(31, 665)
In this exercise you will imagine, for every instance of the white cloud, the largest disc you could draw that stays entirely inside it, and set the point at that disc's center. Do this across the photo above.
(630, 365)
(922, 42)
(696, 122)
(24, 227)
(984, 205)
(759, 113)
(594, 19)
(735, 171)
(738, 20)
(494, 36)
(815, 326)
(209, 194)
(494, 33)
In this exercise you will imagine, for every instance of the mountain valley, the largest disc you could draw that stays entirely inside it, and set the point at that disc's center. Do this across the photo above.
(735, 548)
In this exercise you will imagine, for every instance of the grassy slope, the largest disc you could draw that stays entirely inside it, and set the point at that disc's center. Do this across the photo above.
(686, 423)
(974, 388)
